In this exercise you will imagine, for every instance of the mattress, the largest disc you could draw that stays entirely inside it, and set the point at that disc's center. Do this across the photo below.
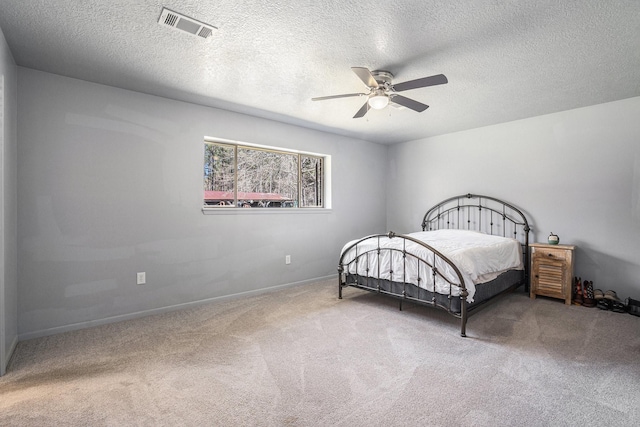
(479, 257)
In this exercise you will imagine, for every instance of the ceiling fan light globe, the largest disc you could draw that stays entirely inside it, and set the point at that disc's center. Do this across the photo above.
(378, 102)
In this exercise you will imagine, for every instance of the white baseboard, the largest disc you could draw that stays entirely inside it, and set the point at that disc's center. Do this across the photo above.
(160, 310)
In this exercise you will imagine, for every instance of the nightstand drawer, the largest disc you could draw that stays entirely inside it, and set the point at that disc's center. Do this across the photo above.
(551, 253)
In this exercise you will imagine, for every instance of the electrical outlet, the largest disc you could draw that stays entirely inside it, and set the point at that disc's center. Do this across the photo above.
(141, 278)
(287, 259)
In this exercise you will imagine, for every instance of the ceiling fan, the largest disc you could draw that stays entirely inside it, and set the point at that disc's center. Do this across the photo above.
(381, 91)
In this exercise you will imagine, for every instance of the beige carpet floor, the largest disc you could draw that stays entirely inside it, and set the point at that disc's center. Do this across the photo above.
(301, 357)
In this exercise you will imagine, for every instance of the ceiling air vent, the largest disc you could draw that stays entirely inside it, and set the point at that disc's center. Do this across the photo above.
(181, 22)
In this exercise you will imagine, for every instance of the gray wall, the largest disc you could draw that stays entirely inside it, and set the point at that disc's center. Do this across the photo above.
(575, 173)
(110, 183)
(8, 207)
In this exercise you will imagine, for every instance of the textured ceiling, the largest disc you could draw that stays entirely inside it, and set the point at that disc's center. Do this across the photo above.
(505, 60)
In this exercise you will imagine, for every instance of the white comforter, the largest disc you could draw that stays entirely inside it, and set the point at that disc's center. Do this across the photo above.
(479, 257)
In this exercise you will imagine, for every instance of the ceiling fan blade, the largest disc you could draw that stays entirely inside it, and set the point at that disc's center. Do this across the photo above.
(409, 103)
(346, 95)
(362, 111)
(366, 76)
(438, 79)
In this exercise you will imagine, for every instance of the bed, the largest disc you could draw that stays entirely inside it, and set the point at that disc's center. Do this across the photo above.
(471, 250)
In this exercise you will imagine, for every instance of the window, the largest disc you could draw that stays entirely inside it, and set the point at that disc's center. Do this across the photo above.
(246, 176)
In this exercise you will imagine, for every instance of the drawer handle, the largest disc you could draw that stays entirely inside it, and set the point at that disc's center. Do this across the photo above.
(551, 255)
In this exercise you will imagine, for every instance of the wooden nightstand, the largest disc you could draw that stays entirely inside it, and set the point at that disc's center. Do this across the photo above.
(551, 271)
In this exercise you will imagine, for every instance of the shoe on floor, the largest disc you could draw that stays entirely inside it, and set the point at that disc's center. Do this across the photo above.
(577, 288)
(633, 306)
(611, 295)
(603, 304)
(617, 306)
(598, 294)
(588, 299)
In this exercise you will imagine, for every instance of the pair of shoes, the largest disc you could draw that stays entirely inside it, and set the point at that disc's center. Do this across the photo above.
(577, 291)
(633, 306)
(610, 301)
(616, 305)
(588, 297)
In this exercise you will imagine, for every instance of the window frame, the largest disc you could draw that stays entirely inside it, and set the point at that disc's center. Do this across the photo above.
(325, 182)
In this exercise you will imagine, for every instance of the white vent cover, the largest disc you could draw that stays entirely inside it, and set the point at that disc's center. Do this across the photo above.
(181, 22)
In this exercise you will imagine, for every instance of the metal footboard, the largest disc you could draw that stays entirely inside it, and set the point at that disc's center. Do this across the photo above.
(406, 275)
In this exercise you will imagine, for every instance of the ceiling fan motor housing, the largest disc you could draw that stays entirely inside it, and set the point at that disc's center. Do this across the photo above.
(382, 77)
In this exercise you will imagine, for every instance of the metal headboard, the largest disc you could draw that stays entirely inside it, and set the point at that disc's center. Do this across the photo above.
(481, 213)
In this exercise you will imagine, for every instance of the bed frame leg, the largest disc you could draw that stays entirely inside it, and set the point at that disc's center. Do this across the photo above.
(463, 313)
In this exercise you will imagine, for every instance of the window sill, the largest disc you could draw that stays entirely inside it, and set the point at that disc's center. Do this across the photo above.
(262, 211)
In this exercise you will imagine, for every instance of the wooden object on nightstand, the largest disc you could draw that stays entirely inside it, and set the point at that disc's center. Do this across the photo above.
(551, 271)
